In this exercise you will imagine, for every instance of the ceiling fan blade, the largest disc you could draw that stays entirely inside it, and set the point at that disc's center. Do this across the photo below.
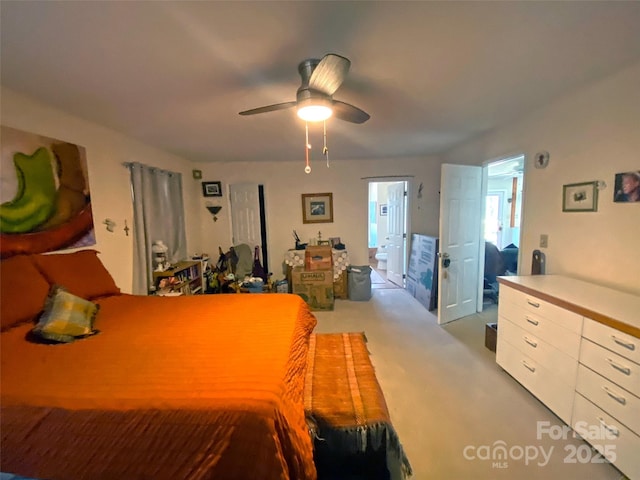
(269, 108)
(329, 73)
(349, 113)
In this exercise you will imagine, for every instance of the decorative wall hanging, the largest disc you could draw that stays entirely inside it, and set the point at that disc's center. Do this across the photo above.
(46, 203)
(317, 208)
(541, 160)
(580, 197)
(214, 210)
(627, 187)
(212, 189)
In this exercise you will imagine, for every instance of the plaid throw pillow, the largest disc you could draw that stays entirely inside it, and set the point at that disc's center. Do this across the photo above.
(66, 317)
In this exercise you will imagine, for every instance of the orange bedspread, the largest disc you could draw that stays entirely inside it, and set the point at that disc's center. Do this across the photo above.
(197, 387)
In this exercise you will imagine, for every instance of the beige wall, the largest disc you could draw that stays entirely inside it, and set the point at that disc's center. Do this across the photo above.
(284, 183)
(108, 179)
(591, 134)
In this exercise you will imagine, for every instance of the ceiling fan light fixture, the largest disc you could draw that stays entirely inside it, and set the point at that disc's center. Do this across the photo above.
(314, 110)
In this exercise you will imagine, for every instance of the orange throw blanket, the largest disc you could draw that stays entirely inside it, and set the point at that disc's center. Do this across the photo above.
(190, 387)
(345, 403)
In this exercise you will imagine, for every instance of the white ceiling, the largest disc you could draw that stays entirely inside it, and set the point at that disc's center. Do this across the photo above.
(430, 74)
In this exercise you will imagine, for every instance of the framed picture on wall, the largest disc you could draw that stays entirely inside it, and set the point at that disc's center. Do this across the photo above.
(627, 187)
(317, 208)
(580, 197)
(212, 189)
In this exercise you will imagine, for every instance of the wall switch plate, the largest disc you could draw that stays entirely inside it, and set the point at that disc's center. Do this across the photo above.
(544, 240)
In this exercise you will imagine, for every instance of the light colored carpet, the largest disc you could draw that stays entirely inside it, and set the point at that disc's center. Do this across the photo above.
(447, 396)
(379, 279)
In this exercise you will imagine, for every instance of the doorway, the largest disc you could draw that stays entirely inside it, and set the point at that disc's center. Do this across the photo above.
(480, 211)
(503, 195)
(248, 217)
(387, 233)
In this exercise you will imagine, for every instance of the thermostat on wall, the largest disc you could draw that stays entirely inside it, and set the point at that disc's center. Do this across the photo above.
(541, 159)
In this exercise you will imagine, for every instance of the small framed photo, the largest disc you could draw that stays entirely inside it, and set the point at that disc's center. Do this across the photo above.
(383, 210)
(334, 241)
(212, 189)
(580, 197)
(317, 208)
(627, 187)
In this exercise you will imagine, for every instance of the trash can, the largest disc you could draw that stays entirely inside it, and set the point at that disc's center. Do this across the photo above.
(359, 281)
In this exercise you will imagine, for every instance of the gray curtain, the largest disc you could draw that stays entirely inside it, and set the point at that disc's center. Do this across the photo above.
(158, 214)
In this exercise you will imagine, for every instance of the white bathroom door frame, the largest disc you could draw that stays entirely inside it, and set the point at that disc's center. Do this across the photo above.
(407, 208)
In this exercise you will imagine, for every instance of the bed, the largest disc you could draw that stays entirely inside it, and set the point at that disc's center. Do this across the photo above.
(197, 387)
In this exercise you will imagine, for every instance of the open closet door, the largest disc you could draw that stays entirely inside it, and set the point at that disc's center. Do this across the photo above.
(247, 217)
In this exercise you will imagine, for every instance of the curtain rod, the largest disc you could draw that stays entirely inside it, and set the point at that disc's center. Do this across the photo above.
(128, 165)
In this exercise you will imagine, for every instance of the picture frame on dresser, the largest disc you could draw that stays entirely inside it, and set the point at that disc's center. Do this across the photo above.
(580, 197)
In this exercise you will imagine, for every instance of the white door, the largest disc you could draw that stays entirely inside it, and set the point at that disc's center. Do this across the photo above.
(396, 231)
(460, 211)
(245, 214)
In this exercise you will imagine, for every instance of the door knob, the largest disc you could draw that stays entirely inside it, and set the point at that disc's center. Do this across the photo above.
(446, 261)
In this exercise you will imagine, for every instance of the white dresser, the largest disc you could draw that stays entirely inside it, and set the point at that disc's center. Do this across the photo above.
(576, 347)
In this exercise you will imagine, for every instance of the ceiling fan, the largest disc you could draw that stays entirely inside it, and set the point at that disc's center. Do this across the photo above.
(314, 99)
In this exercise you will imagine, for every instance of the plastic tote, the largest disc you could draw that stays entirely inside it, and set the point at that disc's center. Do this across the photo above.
(359, 280)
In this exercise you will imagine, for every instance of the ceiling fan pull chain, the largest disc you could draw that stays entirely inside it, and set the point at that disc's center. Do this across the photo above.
(307, 147)
(325, 150)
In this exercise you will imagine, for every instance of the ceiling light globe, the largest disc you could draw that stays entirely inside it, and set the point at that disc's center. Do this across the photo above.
(314, 113)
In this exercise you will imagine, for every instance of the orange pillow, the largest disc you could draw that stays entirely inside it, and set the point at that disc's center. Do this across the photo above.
(81, 273)
(23, 291)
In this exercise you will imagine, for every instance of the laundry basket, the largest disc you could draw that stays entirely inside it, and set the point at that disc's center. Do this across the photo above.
(359, 280)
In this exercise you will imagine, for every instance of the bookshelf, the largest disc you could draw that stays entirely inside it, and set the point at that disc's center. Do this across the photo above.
(185, 277)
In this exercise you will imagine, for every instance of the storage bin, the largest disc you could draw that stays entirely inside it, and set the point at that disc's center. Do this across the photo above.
(359, 282)
(491, 336)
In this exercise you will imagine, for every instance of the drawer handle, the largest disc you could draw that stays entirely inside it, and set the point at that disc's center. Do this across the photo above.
(532, 321)
(532, 343)
(620, 368)
(611, 429)
(617, 398)
(533, 304)
(624, 344)
(528, 367)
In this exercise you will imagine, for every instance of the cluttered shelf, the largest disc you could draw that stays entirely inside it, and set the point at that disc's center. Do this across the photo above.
(183, 278)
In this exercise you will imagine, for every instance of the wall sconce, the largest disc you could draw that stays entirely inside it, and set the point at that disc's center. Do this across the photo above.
(214, 210)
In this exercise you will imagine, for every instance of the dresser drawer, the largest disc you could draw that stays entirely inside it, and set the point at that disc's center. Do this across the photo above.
(610, 365)
(615, 340)
(616, 401)
(607, 435)
(548, 356)
(560, 337)
(542, 383)
(542, 309)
